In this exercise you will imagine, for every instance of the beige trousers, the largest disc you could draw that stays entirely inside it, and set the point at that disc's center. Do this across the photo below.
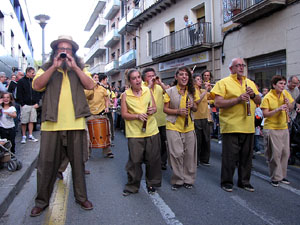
(182, 156)
(277, 152)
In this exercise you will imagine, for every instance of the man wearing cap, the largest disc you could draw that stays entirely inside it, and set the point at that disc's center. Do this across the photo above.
(63, 121)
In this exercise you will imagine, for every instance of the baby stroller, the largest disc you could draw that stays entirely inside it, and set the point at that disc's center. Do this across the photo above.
(295, 140)
(7, 158)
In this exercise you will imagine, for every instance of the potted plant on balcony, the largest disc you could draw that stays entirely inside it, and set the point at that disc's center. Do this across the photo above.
(235, 6)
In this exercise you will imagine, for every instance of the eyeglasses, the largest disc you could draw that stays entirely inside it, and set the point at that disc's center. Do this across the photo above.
(240, 65)
(64, 49)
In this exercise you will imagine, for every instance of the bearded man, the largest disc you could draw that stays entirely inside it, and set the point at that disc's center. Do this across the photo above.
(65, 107)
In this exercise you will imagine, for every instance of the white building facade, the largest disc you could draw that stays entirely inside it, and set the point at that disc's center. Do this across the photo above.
(165, 43)
(16, 49)
(266, 33)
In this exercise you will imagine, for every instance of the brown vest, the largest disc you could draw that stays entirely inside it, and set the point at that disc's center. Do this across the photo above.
(175, 99)
(52, 94)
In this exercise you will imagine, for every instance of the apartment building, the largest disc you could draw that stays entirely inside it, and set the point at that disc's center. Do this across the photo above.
(16, 51)
(165, 43)
(112, 44)
(96, 26)
(266, 33)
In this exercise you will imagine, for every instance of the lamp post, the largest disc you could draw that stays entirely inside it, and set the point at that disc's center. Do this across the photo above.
(42, 19)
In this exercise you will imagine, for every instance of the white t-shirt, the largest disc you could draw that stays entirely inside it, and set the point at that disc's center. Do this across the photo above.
(5, 120)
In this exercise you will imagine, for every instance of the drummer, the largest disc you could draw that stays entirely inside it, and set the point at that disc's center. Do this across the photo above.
(98, 102)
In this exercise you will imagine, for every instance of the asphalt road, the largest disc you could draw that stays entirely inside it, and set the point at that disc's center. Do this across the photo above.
(206, 203)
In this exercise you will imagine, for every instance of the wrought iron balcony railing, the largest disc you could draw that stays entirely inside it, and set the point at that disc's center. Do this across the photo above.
(195, 35)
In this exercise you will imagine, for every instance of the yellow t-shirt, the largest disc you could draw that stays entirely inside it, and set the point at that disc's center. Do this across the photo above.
(97, 102)
(66, 115)
(234, 119)
(202, 108)
(158, 94)
(271, 102)
(179, 124)
(137, 105)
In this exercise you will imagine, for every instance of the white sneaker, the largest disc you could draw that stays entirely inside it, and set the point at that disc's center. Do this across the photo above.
(33, 139)
(23, 140)
(220, 142)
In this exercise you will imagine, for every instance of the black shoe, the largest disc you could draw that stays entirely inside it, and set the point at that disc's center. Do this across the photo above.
(274, 183)
(285, 181)
(126, 193)
(247, 187)
(205, 163)
(188, 186)
(163, 167)
(175, 187)
(151, 190)
(227, 187)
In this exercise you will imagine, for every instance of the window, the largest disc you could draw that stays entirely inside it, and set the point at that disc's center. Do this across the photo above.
(128, 46)
(171, 26)
(200, 15)
(134, 43)
(149, 43)
(122, 44)
(113, 56)
(1, 28)
(12, 46)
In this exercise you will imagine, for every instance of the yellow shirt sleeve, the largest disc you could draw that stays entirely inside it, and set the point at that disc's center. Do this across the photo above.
(38, 73)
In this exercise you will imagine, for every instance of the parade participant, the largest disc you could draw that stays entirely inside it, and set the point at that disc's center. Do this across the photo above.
(157, 87)
(98, 102)
(137, 108)
(104, 83)
(7, 125)
(237, 125)
(202, 127)
(275, 106)
(207, 77)
(63, 121)
(265, 91)
(291, 87)
(179, 101)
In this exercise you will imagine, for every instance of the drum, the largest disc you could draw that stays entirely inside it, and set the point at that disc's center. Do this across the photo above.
(99, 132)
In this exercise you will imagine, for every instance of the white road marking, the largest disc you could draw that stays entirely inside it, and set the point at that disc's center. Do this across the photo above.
(166, 212)
(261, 215)
(285, 186)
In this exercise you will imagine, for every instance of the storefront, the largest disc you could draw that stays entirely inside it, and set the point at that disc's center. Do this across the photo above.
(197, 62)
(261, 69)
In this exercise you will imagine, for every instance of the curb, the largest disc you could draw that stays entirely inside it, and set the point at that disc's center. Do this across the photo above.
(16, 184)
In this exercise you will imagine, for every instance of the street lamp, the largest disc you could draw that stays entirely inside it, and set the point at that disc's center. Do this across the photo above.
(42, 19)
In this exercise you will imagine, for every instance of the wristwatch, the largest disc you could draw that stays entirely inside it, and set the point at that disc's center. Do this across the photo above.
(253, 96)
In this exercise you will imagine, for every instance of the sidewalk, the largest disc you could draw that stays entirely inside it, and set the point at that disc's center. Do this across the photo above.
(12, 182)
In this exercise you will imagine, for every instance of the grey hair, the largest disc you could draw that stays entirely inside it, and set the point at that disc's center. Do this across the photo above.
(2, 74)
(230, 64)
(292, 77)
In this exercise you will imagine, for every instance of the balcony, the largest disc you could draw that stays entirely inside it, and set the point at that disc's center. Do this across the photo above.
(195, 38)
(124, 24)
(96, 50)
(112, 38)
(244, 11)
(97, 68)
(112, 68)
(128, 60)
(99, 26)
(97, 9)
(112, 9)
